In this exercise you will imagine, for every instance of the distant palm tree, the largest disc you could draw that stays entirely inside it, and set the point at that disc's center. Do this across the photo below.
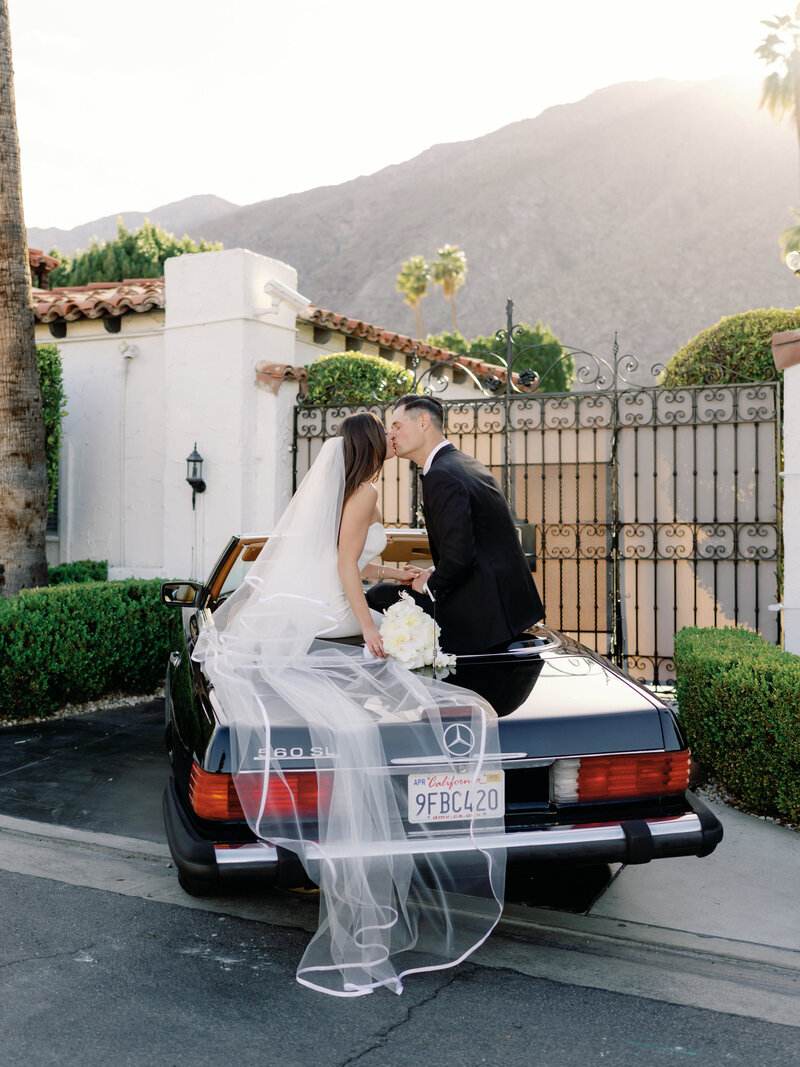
(780, 93)
(450, 271)
(23, 471)
(413, 282)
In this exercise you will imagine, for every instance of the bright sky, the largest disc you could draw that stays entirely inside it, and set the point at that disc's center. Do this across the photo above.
(127, 106)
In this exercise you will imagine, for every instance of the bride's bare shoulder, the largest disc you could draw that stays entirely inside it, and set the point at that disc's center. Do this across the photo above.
(362, 500)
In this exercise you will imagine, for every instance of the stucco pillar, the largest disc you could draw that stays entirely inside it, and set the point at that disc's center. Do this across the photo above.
(786, 353)
(220, 324)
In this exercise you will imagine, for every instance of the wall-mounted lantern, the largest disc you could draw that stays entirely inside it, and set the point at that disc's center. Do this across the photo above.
(194, 473)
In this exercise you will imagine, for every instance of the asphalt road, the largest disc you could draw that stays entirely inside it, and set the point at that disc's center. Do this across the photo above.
(96, 978)
(106, 961)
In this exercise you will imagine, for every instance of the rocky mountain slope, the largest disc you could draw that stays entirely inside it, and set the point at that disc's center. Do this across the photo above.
(651, 209)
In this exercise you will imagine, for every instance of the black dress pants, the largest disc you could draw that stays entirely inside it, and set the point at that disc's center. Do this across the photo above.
(382, 596)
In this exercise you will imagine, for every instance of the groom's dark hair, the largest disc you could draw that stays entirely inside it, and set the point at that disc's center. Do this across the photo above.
(416, 402)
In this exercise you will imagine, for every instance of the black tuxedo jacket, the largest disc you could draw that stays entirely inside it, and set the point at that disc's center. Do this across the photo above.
(482, 582)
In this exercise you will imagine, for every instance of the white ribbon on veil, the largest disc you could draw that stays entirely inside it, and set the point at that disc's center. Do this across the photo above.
(392, 900)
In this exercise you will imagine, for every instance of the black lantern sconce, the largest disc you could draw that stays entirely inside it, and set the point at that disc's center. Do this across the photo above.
(194, 473)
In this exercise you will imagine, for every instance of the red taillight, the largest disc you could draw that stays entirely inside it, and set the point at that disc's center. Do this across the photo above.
(599, 778)
(216, 796)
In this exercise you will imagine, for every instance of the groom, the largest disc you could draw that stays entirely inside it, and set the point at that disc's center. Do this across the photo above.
(480, 587)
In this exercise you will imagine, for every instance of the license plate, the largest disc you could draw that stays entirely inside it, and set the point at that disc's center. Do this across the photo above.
(446, 797)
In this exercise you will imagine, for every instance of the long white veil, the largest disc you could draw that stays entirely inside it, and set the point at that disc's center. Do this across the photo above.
(392, 900)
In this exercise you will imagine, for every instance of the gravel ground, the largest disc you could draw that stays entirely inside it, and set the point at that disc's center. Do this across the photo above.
(70, 711)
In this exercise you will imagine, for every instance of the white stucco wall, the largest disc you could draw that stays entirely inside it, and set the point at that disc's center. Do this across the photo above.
(213, 341)
(190, 378)
(131, 422)
(112, 452)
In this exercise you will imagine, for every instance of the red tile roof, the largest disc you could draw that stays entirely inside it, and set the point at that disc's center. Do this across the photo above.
(399, 342)
(98, 300)
(103, 299)
(40, 259)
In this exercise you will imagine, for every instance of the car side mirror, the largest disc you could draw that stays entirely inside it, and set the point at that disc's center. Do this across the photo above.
(180, 594)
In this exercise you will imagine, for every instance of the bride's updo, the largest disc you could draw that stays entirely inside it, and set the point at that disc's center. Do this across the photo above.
(364, 450)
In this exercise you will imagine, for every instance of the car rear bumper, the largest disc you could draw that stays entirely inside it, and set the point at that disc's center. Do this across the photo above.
(694, 833)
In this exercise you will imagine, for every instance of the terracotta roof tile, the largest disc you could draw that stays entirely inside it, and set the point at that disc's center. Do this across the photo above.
(103, 299)
(98, 300)
(38, 258)
(399, 342)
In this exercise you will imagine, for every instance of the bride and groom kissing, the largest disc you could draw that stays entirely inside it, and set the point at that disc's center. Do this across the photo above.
(480, 587)
(388, 904)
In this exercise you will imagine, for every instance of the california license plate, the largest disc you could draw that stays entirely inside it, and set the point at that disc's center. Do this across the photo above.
(446, 797)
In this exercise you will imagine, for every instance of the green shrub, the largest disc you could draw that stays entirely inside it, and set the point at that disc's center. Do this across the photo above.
(72, 643)
(349, 378)
(130, 255)
(741, 344)
(739, 700)
(54, 407)
(534, 348)
(82, 570)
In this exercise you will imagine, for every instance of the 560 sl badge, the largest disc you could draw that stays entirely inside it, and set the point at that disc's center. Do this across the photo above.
(297, 752)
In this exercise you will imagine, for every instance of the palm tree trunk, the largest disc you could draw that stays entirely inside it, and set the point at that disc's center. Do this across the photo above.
(23, 474)
(453, 306)
(418, 322)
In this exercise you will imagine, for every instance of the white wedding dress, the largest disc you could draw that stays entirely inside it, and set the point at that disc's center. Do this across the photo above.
(392, 901)
(346, 623)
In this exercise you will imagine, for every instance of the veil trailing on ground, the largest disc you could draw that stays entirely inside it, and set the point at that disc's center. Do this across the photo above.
(392, 900)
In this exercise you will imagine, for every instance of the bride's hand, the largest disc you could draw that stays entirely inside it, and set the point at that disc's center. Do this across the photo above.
(411, 573)
(374, 642)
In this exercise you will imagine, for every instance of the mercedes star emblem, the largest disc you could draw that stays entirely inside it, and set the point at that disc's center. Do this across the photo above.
(459, 740)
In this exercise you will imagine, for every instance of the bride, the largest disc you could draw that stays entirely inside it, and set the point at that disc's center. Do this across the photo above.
(392, 900)
(362, 442)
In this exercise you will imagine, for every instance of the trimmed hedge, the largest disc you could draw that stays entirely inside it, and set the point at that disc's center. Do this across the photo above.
(82, 570)
(742, 344)
(349, 378)
(72, 643)
(739, 700)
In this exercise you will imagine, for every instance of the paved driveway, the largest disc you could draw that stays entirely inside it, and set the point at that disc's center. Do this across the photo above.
(104, 771)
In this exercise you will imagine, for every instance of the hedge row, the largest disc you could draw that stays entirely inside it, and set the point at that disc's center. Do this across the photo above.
(72, 643)
(739, 700)
(82, 570)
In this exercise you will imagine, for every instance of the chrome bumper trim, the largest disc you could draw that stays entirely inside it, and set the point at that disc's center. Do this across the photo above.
(678, 834)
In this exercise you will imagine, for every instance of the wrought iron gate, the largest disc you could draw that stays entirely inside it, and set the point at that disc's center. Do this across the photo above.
(643, 509)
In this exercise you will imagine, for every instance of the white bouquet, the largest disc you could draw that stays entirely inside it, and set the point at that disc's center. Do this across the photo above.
(412, 637)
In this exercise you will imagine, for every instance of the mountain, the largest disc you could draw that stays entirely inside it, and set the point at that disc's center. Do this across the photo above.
(649, 208)
(179, 217)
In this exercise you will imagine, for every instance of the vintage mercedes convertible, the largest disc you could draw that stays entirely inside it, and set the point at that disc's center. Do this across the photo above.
(595, 768)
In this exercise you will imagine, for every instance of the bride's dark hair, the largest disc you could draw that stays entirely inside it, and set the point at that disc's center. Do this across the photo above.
(364, 450)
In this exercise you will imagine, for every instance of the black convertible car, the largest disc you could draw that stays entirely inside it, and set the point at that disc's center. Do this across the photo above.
(595, 768)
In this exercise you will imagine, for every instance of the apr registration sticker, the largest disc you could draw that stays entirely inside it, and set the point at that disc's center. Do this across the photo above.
(446, 797)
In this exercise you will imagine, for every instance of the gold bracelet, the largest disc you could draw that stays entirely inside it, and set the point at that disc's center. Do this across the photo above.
(383, 571)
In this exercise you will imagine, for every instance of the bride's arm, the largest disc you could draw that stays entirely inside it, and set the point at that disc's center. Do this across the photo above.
(356, 518)
(381, 573)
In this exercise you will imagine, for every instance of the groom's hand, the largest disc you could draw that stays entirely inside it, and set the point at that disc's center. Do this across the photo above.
(410, 574)
(418, 584)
